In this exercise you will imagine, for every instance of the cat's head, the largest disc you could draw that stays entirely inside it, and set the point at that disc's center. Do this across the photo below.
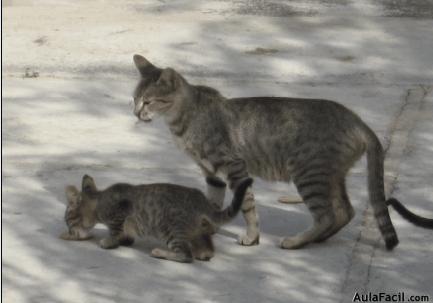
(80, 214)
(158, 90)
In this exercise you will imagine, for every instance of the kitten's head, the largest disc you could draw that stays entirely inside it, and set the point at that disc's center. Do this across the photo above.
(157, 91)
(80, 214)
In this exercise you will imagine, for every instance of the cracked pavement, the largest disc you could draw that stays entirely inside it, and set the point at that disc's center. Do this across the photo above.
(67, 83)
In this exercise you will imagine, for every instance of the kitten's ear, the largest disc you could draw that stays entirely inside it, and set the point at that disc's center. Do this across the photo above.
(144, 67)
(88, 185)
(72, 196)
(170, 78)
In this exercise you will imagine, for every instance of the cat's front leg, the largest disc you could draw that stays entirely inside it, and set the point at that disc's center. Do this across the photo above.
(236, 171)
(114, 239)
(178, 250)
(251, 217)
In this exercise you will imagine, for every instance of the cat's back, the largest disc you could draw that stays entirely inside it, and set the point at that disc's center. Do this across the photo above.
(283, 110)
(152, 190)
(119, 188)
(160, 206)
(172, 192)
(284, 104)
(162, 194)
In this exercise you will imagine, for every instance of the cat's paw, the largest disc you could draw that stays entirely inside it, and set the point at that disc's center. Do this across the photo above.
(291, 243)
(171, 255)
(246, 240)
(108, 243)
(204, 255)
(159, 253)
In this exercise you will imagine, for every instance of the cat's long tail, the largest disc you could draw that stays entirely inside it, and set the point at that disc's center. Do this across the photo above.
(410, 216)
(375, 159)
(376, 189)
(225, 215)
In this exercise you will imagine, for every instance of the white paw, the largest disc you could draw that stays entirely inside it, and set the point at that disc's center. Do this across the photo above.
(245, 240)
(290, 243)
(157, 253)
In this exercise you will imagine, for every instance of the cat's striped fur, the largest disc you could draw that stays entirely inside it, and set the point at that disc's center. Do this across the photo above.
(313, 143)
(182, 217)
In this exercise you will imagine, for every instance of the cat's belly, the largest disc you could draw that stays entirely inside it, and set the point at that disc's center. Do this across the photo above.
(267, 157)
(266, 161)
(259, 163)
(267, 169)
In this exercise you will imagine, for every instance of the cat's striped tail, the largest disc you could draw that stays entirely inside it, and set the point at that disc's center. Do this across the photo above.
(410, 216)
(225, 215)
(376, 189)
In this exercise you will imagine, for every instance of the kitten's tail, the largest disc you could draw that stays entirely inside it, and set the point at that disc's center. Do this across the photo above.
(225, 215)
(410, 216)
(376, 189)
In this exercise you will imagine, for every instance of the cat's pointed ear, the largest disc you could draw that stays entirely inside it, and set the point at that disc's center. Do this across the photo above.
(170, 78)
(72, 196)
(143, 65)
(88, 185)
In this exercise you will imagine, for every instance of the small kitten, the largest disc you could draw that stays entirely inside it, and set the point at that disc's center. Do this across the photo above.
(181, 216)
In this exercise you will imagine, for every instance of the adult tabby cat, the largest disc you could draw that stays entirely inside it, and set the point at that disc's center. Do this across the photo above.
(311, 142)
(181, 216)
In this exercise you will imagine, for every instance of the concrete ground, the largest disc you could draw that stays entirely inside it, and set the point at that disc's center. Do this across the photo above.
(67, 83)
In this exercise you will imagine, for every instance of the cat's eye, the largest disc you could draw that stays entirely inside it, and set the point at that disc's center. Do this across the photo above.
(161, 101)
(161, 83)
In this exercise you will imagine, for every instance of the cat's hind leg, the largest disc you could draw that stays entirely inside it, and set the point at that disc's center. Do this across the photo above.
(203, 248)
(114, 241)
(109, 242)
(178, 250)
(316, 195)
(343, 210)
